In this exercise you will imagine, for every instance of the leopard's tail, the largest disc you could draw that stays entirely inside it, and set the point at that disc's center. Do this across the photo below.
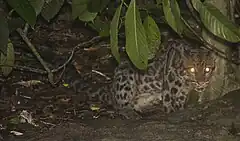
(90, 92)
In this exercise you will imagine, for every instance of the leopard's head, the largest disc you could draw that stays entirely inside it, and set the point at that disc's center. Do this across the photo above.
(198, 67)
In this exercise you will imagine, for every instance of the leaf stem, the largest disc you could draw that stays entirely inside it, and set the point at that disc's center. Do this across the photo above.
(125, 4)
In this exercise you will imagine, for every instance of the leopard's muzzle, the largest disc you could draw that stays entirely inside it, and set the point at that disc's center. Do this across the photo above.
(200, 86)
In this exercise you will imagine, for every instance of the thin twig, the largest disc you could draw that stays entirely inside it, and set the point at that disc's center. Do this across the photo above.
(31, 46)
(25, 30)
(98, 72)
(28, 69)
(40, 71)
(47, 123)
(232, 4)
(193, 12)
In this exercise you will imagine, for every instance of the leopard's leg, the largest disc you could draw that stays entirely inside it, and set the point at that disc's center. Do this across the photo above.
(136, 104)
(168, 98)
(181, 100)
(139, 105)
(168, 102)
(175, 96)
(145, 102)
(174, 103)
(124, 89)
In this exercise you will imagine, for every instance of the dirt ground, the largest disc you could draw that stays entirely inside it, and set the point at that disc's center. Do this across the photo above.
(33, 110)
(213, 121)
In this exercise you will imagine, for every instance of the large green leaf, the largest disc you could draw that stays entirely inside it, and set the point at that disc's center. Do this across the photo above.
(197, 4)
(78, 7)
(80, 10)
(95, 6)
(136, 40)
(4, 33)
(87, 16)
(176, 12)
(51, 8)
(172, 15)
(102, 27)
(114, 33)
(153, 36)
(25, 10)
(216, 22)
(7, 61)
(37, 5)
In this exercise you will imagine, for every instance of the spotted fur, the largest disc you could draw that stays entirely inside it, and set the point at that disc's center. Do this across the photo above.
(167, 81)
(187, 68)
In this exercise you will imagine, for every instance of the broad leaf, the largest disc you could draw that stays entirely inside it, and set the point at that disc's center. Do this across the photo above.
(8, 61)
(78, 7)
(153, 36)
(4, 33)
(95, 6)
(25, 10)
(136, 40)
(80, 10)
(37, 5)
(15, 23)
(114, 33)
(176, 12)
(159, 2)
(216, 22)
(51, 8)
(102, 27)
(104, 30)
(87, 16)
(197, 4)
(172, 15)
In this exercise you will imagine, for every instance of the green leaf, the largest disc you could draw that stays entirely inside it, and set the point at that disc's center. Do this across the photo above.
(37, 5)
(4, 33)
(87, 16)
(197, 4)
(80, 10)
(104, 30)
(15, 23)
(153, 36)
(217, 23)
(51, 8)
(95, 6)
(114, 33)
(176, 12)
(136, 40)
(25, 10)
(78, 7)
(102, 27)
(8, 61)
(172, 15)
(159, 2)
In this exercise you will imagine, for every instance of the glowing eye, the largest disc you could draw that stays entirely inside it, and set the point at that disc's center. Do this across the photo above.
(192, 70)
(207, 69)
